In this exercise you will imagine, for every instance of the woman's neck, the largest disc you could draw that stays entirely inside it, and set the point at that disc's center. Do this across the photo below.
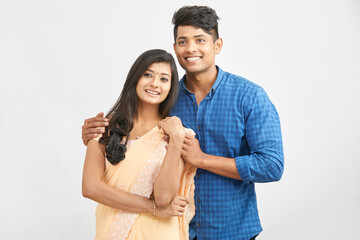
(147, 118)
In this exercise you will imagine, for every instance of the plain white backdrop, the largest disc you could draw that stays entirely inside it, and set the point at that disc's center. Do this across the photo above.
(64, 61)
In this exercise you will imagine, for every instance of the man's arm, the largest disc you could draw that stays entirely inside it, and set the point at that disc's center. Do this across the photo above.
(193, 155)
(265, 162)
(94, 126)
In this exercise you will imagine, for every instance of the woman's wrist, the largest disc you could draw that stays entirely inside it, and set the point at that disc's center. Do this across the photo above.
(149, 206)
(176, 138)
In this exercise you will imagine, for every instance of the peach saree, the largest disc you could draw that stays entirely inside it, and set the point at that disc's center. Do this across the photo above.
(136, 174)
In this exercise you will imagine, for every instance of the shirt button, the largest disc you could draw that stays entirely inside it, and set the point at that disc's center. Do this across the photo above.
(198, 225)
(199, 126)
(198, 200)
(193, 103)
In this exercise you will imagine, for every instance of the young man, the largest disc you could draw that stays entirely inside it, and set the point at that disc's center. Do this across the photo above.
(238, 137)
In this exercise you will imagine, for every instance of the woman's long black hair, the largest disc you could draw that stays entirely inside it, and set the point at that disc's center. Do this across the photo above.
(123, 112)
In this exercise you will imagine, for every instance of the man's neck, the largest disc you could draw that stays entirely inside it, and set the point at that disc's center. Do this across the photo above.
(201, 83)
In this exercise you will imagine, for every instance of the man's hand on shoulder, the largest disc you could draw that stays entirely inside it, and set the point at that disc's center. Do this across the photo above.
(94, 126)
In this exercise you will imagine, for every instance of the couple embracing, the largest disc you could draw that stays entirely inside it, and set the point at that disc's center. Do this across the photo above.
(178, 160)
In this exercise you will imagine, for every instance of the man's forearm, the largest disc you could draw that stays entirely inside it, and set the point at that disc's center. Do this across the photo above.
(220, 165)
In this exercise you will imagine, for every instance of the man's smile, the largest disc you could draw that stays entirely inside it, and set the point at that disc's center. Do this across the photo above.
(193, 58)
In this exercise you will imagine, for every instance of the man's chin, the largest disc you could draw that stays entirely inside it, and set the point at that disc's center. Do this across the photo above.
(193, 69)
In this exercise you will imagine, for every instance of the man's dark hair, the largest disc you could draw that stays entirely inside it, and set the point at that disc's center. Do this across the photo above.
(197, 16)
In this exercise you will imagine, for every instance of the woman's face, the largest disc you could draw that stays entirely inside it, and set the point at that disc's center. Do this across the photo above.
(154, 85)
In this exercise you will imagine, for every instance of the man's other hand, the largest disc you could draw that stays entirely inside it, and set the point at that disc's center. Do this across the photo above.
(94, 126)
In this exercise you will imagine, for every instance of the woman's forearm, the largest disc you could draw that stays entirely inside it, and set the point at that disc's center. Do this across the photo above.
(168, 180)
(107, 195)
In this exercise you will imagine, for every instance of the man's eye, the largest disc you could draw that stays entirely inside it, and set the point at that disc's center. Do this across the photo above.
(201, 40)
(181, 42)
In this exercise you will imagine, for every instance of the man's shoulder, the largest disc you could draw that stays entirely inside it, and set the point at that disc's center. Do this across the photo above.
(238, 82)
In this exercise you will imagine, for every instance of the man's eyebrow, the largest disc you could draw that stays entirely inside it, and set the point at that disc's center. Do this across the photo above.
(181, 38)
(195, 36)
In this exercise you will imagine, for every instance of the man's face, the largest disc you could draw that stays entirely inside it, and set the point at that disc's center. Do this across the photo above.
(195, 49)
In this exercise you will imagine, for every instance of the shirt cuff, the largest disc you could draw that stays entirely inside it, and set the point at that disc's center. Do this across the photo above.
(243, 168)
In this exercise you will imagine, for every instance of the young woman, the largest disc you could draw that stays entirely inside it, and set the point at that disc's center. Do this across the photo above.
(134, 171)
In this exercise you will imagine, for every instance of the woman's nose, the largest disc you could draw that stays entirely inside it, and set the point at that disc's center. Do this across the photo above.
(155, 81)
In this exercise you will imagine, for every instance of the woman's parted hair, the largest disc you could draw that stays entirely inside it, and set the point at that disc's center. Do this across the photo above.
(123, 112)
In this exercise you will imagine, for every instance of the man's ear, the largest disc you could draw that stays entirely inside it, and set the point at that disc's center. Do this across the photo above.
(218, 45)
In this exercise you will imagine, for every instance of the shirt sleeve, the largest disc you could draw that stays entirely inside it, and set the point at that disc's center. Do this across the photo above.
(265, 163)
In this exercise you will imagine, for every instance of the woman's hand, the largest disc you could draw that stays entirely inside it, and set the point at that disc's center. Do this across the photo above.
(173, 127)
(175, 208)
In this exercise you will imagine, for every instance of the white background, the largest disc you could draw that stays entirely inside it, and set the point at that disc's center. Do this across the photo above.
(64, 61)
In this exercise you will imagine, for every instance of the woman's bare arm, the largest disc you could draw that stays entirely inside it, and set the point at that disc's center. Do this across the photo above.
(94, 188)
(167, 182)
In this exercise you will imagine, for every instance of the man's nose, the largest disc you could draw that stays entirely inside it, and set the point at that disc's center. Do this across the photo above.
(190, 46)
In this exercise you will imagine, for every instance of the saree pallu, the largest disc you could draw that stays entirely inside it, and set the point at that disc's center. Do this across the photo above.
(136, 174)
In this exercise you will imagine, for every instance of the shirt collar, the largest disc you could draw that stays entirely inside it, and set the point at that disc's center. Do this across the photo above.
(214, 87)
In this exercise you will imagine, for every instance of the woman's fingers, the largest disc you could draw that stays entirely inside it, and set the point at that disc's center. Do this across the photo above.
(179, 211)
(179, 214)
(184, 200)
(179, 204)
(189, 136)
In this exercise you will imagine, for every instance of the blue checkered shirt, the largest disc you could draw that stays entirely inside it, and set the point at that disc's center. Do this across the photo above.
(236, 120)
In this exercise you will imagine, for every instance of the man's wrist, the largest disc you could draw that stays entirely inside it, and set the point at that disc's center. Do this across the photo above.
(202, 160)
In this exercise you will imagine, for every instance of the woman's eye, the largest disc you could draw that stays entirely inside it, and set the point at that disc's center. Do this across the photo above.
(164, 79)
(147, 75)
